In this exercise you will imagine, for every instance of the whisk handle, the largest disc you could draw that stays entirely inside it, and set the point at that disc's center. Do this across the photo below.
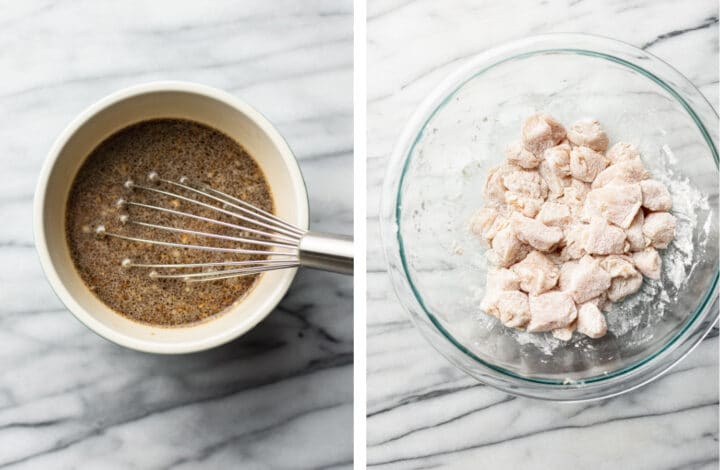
(328, 252)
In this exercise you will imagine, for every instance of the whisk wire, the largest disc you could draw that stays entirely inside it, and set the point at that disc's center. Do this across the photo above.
(212, 235)
(222, 274)
(215, 221)
(102, 232)
(279, 244)
(236, 203)
(213, 208)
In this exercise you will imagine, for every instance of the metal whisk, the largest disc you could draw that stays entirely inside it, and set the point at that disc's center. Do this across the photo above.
(282, 245)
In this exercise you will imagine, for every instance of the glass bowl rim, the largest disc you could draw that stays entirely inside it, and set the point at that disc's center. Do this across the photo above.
(447, 89)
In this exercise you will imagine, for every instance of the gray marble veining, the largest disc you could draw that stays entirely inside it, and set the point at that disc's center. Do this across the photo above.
(422, 412)
(280, 397)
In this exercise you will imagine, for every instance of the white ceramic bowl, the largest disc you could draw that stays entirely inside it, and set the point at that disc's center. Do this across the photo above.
(199, 103)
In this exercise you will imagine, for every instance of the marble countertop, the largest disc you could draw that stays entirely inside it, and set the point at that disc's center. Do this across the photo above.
(280, 397)
(422, 412)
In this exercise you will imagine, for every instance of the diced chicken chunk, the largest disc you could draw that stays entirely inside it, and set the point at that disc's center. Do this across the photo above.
(574, 242)
(502, 279)
(602, 238)
(591, 321)
(540, 132)
(526, 182)
(554, 214)
(586, 163)
(574, 196)
(625, 278)
(513, 308)
(520, 156)
(507, 248)
(648, 262)
(558, 159)
(550, 311)
(601, 301)
(577, 190)
(621, 287)
(504, 300)
(537, 273)
(587, 280)
(622, 152)
(565, 333)
(634, 233)
(655, 196)
(618, 266)
(630, 171)
(494, 185)
(616, 203)
(565, 280)
(535, 233)
(498, 280)
(487, 222)
(555, 183)
(589, 133)
(659, 228)
(526, 205)
(482, 220)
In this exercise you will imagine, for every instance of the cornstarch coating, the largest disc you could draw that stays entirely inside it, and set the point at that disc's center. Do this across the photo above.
(573, 227)
(174, 148)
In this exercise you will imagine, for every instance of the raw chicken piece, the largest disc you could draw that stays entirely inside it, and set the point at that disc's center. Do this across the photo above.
(555, 183)
(621, 287)
(634, 233)
(617, 203)
(498, 280)
(574, 242)
(586, 163)
(655, 196)
(502, 279)
(602, 238)
(494, 185)
(535, 233)
(630, 171)
(564, 144)
(513, 308)
(601, 301)
(526, 205)
(589, 212)
(554, 214)
(621, 152)
(566, 275)
(518, 155)
(487, 222)
(587, 280)
(588, 132)
(574, 196)
(577, 190)
(482, 220)
(550, 311)
(540, 132)
(526, 182)
(591, 321)
(625, 278)
(618, 266)
(659, 228)
(537, 273)
(648, 262)
(565, 333)
(507, 248)
(558, 159)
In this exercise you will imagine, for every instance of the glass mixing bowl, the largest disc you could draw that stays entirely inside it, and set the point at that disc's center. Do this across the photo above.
(434, 184)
